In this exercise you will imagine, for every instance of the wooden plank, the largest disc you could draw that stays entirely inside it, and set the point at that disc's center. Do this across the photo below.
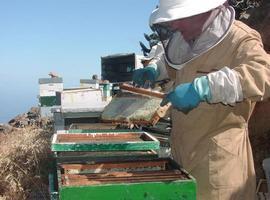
(133, 121)
(127, 174)
(142, 91)
(105, 137)
(97, 154)
(171, 183)
(103, 156)
(76, 182)
(98, 137)
(111, 141)
(122, 177)
(129, 146)
(98, 167)
(162, 190)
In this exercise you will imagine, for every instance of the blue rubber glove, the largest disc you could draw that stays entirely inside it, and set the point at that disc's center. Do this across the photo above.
(146, 74)
(187, 96)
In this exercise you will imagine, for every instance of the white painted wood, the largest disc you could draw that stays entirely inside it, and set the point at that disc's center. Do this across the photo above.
(47, 93)
(82, 100)
(49, 89)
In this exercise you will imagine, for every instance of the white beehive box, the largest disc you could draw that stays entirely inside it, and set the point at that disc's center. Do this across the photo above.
(49, 86)
(82, 100)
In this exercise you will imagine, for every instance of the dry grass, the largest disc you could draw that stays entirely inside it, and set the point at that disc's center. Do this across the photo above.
(24, 163)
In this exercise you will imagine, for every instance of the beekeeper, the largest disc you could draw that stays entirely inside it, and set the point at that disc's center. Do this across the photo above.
(220, 70)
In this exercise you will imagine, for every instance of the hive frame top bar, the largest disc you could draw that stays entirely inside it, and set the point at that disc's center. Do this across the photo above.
(142, 91)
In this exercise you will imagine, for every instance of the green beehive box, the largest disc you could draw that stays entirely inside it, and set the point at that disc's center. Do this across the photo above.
(111, 140)
(48, 101)
(89, 154)
(157, 179)
(93, 156)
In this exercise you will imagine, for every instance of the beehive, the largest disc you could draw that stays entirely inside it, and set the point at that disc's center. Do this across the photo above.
(139, 180)
(73, 146)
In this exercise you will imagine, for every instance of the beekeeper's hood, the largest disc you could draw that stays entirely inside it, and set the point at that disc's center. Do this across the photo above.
(169, 10)
(177, 50)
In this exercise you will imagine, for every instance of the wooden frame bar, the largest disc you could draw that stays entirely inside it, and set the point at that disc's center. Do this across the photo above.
(104, 141)
(143, 91)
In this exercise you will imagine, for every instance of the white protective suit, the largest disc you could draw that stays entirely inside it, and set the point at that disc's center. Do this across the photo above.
(211, 141)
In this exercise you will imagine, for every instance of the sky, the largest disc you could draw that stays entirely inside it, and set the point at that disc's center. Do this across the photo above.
(64, 36)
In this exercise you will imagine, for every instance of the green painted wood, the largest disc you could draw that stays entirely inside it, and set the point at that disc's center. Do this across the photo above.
(52, 188)
(48, 101)
(175, 190)
(129, 146)
(142, 145)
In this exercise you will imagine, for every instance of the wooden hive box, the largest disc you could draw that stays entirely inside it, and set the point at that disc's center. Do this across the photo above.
(75, 146)
(158, 179)
(111, 140)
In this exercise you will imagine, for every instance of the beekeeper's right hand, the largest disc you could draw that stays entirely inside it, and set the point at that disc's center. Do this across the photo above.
(145, 76)
(188, 96)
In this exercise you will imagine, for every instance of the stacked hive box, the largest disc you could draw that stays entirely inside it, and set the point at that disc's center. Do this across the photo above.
(49, 98)
(115, 164)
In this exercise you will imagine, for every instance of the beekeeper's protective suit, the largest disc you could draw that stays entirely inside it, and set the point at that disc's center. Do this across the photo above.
(219, 75)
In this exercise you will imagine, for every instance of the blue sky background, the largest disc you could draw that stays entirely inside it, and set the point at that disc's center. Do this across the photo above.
(65, 36)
